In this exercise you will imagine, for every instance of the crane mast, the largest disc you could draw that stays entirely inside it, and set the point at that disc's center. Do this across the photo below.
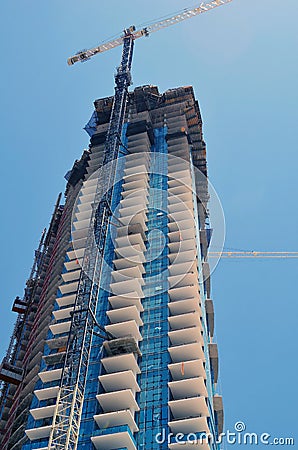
(67, 416)
(66, 422)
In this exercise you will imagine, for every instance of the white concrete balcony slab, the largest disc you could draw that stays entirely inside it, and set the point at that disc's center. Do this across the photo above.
(125, 287)
(132, 211)
(75, 254)
(128, 274)
(178, 207)
(46, 394)
(117, 418)
(189, 407)
(185, 306)
(187, 352)
(119, 381)
(86, 198)
(182, 246)
(182, 223)
(188, 369)
(192, 319)
(182, 280)
(121, 363)
(115, 401)
(188, 256)
(137, 158)
(181, 235)
(179, 190)
(38, 433)
(71, 276)
(191, 387)
(140, 218)
(125, 314)
(186, 336)
(137, 170)
(183, 268)
(79, 244)
(69, 288)
(61, 314)
(193, 425)
(133, 239)
(81, 224)
(113, 441)
(81, 207)
(130, 185)
(180, 173)
(130, 261)
(185, 198)
(84, 215)
(66, 300)
(72, 265)
(182, 293)
(140, 198)
(58, 328)
(79, 234)
(131, 299)
(87, 190)
(43, 412)
(125, 329)
(50, 375)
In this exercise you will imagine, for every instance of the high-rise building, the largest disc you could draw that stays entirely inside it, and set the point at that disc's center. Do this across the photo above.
(153, 366)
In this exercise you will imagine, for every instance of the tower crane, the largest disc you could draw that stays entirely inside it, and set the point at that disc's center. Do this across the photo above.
(68, 411)
(252, 254)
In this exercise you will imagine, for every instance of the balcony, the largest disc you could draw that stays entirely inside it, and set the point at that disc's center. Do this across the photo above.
(129, 240)
(69, 288)
(74, 254)
(62, 314)
(125, 314)
(182, 246)
(131, 253)
(118, 400)
(79, 234)
(66, 300)
(114, 438)
(71, 276)
(182, 280)
(129, 186)
(191, 387)
(185, 292)
(50, 375)
(186, 352)
(131, 261)
(59, 328)
(125, 329)
(118, 418)
(189, 408)
(121, 363)
(125, 287)
(128, 274)
(38, 433)
(178, 268)
(130, 299)
(119, 381)
(75, 264)
(188, 369)
(186, 336)
(46, 394)
(192, 319)
(182, 256)
(185, 306)
(43, 412)
(191, 425)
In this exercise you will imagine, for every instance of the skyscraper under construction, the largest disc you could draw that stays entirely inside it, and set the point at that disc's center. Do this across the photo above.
(134, 367)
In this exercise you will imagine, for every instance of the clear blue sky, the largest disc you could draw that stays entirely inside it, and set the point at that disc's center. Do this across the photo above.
(242, 61)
